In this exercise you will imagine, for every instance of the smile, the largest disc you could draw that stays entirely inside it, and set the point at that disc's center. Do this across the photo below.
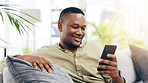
(78, 39)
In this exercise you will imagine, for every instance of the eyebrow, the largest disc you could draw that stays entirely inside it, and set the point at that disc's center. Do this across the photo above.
(78, 24)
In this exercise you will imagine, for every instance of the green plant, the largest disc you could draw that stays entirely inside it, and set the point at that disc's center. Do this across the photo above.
(105, 32)
(15, 19)
(27, 50)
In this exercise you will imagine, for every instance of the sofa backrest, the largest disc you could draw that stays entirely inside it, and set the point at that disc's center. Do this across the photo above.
(125, 64)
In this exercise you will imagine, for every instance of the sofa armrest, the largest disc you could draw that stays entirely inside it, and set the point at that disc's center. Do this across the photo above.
(1, 77)
(7, 78)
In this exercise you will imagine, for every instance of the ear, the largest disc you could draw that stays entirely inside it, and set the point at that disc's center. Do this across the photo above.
(60, 26)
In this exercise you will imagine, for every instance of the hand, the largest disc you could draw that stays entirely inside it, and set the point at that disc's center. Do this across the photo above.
(112, 69)
(35, 60)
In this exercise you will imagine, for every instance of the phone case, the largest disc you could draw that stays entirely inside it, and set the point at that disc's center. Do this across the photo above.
(108, 49)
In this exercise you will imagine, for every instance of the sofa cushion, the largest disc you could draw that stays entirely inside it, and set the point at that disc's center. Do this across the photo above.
(23, 72)
(140, 60)
(125, 64)
(7, 78)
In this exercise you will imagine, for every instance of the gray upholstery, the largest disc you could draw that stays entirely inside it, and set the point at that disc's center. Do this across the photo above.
(140, 60)
(139, 82)
(23, 72)
(1, 77)
(7, 78)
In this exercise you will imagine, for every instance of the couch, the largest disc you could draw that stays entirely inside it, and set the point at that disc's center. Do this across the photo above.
(126, 65)
(127, 59)
(133, 62)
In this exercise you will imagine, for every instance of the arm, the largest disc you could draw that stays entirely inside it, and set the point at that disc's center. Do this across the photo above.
(35, 60)
(112, 69)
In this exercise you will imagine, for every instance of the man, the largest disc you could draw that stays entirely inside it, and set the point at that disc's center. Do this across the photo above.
(77, 57)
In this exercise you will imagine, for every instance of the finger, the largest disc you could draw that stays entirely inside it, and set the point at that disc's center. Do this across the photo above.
(112, 56)
(34, 65)
(40, 65)
(111, 68)
(108, 62)
(49, 63)
(107, 72)
(112, 74)
(45, 65)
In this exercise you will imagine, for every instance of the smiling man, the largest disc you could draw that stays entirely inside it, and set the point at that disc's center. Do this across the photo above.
(79, 58)
(72, 25)
(72, 29)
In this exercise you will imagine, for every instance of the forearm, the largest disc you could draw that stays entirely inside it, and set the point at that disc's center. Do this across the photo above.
(24, 57)
(20, 57)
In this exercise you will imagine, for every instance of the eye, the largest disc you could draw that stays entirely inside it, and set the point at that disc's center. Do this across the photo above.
(83, 28)
(74, 26)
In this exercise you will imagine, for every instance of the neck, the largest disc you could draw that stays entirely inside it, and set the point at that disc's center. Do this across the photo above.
(69, 47)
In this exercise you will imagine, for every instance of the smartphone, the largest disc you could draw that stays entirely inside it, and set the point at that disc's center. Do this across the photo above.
(108, 49)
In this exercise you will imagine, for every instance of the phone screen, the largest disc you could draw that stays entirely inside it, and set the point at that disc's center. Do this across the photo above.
(108, 49)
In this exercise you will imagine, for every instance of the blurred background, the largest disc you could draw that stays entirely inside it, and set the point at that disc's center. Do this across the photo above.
(120, 22)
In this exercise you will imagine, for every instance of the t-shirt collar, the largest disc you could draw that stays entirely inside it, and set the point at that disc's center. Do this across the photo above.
(81, 45)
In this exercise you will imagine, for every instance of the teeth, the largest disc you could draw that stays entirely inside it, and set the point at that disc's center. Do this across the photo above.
(77, 38)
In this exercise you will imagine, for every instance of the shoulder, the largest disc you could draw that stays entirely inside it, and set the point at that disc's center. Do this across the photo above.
(93, 45)
(48, 47)
(93, 49)
(45, 49)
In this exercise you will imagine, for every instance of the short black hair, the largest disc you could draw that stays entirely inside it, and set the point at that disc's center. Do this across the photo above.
(69, 10)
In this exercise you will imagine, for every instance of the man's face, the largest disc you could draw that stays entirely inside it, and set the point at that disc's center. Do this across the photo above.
(73, 29)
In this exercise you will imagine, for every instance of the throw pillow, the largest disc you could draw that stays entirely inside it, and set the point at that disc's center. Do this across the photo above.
(125, 65)
(23, 72)
(140, 60)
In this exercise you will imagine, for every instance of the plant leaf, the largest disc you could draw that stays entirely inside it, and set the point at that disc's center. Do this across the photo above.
(16, 25)
(15, 19)
(4, 5)
(10, 17)
(2, 16)
(22, 13)
(22, 27)
(22, 18)
(24, 24)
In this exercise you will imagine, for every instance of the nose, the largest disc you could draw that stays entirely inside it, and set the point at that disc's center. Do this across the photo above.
(79, 32)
